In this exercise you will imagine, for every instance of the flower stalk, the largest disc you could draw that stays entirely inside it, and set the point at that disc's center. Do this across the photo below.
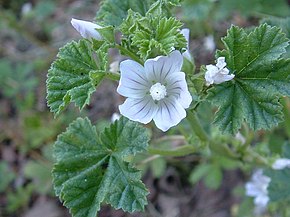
(176, 152)
(196, 126)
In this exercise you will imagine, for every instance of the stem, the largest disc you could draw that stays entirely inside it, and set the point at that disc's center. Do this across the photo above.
(176, 152)
(196, 126)
(129, 53)
(113, 76)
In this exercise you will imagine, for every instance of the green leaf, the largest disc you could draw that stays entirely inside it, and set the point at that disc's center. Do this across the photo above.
(5, 179)
(112, 12)
(261, 78)
(248, 8)
(284, 24)
(214, 178)
(75, 73)
(40, 173)
(199, 172)
(151, 36)
(279, 188)
(90, 169)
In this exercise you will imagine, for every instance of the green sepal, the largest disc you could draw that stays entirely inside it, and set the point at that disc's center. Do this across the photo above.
(108, 34)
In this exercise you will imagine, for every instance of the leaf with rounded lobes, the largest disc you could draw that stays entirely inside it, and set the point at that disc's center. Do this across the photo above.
(261, 78)
(71, 77)
(90, 169)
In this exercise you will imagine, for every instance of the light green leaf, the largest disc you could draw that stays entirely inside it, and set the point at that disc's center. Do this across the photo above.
(199, 172)
(72, 76)
(261, 78)
(214, 178)
(40, 173)
(91, 169)
(151, 36)
(112, 12)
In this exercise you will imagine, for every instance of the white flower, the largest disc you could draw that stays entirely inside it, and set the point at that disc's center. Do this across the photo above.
(209, 43)
(257, 188)
(281, 164)
(219, 73)
(186, 54)
(157, 90)
(86, 29)
(26, 8)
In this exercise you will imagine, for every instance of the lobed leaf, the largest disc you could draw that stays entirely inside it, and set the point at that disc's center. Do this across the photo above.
(112, 12)
(261, 78)
(90, 168)
(74, 75)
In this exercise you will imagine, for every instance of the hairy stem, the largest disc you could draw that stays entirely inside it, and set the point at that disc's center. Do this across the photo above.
(176, 152)
(129, 53)
(196, 126)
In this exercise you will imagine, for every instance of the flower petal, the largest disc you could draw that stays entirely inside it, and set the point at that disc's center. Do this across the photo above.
(186, 54)
(141, 110)
(86, 29)
(169, 114)
(177, 87)
(221, 62)
(220, 78)
(281, 164)
(159, 68)
(133, 82)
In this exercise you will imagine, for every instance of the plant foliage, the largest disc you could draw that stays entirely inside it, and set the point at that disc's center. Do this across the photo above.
(74, 75)
(261, 78)
(90, 168)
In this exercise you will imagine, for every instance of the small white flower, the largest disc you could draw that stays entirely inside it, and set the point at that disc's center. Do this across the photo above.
(186, 54)
(86, 29)
(115, 117)
(281, 164)
(219, 73)
(257, 188)
(209, 43)
(157, 90)
(26, 8)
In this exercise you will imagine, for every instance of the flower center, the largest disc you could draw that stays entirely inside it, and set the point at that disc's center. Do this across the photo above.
(158, 91)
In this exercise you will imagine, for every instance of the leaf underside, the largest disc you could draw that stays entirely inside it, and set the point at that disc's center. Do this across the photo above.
(261, 78)
(90, 168)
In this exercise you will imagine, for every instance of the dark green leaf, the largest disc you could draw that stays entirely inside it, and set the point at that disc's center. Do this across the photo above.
(261, 78)
(90, 169)
(72, 78)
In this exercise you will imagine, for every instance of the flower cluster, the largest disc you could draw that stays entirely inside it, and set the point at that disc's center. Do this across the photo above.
(257, 188)
(219, 73)
(158, 90)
